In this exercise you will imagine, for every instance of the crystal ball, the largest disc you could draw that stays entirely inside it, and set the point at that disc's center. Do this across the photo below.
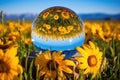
(58, 29)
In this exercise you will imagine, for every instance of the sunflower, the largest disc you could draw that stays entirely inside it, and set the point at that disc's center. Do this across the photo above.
(53, 65)
(65, 15)
(61, 28)
(4, 44)
(91, 58)
(9, 67)
(48, 26)
(118, 36)
(54, 29)
(97, 30)
(70, 28)
(107, 37)
(45, 15)
(56, 17)
(58, 10)
(28, 41)
(13, 36)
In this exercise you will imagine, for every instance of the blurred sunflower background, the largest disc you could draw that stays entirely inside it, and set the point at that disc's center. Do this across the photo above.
(97, 59)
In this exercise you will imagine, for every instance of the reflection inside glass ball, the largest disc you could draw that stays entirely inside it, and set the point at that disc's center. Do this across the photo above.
(57, 28)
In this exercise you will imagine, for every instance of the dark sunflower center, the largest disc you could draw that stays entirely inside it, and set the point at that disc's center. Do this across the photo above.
(105, 36)
(52, 65)
(92, 60)
(97, 32)
(65, 14)
(4, 46)
(3, 67)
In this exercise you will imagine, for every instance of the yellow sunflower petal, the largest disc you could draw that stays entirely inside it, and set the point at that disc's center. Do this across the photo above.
(1, 54)
(10, 76)
(5, 76)
(16, 78)
(40, 60)
(2, 76)
(47, 55)
(62, 76)
(69, 63)
(66, 69)
(99, 55)
(92, 45)
(56, 54)
(42, 72)
(81, 51)
(87, 71)
(81, 59)
(13, 61)
(51, 74)
(14, 72)
(11, 52)
(19, 69)
(97, 50)
(83, 66)
(95, 71)
(86, 48)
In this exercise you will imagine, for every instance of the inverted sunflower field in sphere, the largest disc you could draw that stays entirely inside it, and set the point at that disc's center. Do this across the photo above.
(57, 28)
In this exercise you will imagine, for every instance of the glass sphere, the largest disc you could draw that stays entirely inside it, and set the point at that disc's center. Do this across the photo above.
(58, 28)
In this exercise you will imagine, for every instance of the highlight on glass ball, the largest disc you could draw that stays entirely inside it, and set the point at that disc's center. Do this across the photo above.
(57, 28)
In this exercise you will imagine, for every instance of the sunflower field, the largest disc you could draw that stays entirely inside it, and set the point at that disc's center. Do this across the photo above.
(97, 59)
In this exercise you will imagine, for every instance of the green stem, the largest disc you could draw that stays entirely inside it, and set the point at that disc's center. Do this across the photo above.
(2, 21)
(37, 71)
(2, 15)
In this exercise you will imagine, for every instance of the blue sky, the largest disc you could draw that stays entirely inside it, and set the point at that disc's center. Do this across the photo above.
(79, 6)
